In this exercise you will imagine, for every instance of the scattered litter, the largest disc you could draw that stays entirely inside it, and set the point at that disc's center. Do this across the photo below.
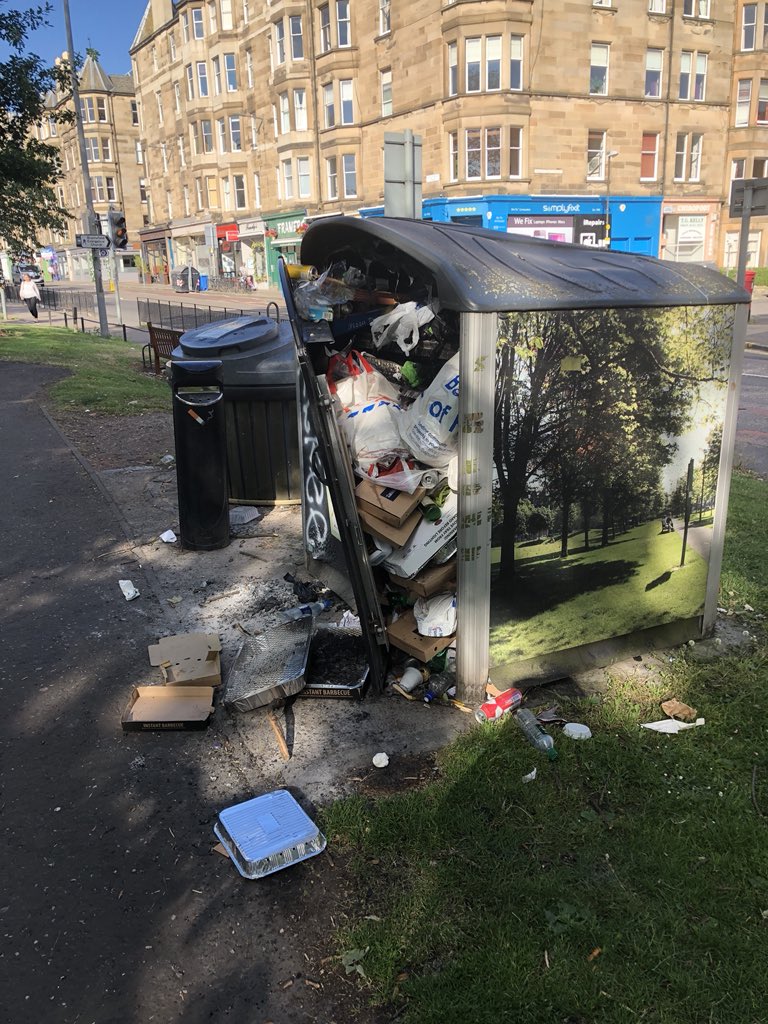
(594, 954)
(130, 592)
(535, 733)
(530, 776)
(748, 608)
(380, 760)
(671, 726)
(167, 460)
(240, 515)
(550, 716)
(350, 621)
(267, 834)
(577, 731)
(351, 960)
(173, 601)
(723, 611)
(218, 848)
(169, 537)
(188, 659)
(269, 667)
(507, 701)
(168, 708)
(338, 666)
(676, 709)
(436, 616)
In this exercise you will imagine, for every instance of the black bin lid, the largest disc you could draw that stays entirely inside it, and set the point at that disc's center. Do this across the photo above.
(227, 337)
(477, 270)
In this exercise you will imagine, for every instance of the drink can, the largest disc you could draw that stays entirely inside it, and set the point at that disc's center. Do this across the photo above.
(509, 700)
(301, 272)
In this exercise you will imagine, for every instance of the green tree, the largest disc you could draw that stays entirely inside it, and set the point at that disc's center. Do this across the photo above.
(28, 167)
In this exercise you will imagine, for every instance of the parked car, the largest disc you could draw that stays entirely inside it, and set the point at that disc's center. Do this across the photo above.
(26, 268)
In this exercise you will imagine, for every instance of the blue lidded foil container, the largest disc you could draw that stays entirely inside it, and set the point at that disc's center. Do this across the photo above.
(267, 834)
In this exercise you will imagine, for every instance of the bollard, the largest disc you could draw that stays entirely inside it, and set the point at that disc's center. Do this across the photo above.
(82, 325)
(66, 319)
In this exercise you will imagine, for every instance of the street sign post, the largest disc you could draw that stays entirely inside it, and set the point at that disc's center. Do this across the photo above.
(749, 197)
(92, 241)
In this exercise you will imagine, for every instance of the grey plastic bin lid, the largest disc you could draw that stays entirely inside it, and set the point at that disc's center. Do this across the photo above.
(256, 351)
(476, 270)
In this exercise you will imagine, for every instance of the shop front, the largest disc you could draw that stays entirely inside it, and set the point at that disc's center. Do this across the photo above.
(689, 230)
(283, 234)
(254, 264)
(156, 255)
(228, 246)
(189, 245)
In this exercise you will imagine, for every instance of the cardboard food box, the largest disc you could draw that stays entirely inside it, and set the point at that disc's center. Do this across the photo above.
(387, 503)
(168, 709)
(426, 541)
(188, 659)
(430, 581)
(396, 535)
(404, 635)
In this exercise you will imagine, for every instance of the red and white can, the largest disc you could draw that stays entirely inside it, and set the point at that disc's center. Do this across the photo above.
(509, 700)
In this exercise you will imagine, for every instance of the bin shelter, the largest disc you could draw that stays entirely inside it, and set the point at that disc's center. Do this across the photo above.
(259, 374)
(186, 279)
(597, 402)
(198, 428)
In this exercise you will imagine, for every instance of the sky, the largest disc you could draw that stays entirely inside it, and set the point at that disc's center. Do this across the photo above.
(109, 26)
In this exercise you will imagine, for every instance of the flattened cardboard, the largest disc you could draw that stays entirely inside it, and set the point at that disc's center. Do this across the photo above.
(386, 503)
(426, 541)
(404, 635)
(168, 709)
(188, 659)
(430, 581)
(396, 535)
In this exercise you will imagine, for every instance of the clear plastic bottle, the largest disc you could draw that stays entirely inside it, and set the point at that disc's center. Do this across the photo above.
(302, 611)
(441, 685)
(535, 733)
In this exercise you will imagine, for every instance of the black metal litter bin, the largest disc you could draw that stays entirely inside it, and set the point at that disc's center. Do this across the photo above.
(259, 374)
(186, 279)
(201, 454)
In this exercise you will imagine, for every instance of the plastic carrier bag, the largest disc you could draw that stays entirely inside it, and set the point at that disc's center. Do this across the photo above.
(354, 381)
(436, 616)
(430, 427)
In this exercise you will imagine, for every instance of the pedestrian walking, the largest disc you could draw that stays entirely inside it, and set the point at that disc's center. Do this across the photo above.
(29, 291)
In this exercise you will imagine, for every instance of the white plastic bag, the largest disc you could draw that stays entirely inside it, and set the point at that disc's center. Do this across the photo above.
(436, 616)
(430, 427)
(401, 325)
(371, 430)
(401, 474)
(354, 381)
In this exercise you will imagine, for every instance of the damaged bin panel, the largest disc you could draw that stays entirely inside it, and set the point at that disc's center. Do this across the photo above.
(598, 395)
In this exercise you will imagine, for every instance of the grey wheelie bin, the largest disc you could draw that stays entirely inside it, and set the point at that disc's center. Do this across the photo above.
(259, 375)
(597, 401)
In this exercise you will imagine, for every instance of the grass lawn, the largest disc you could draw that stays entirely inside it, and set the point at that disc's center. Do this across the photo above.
(555, 603)
(628, 882)
(106, 376)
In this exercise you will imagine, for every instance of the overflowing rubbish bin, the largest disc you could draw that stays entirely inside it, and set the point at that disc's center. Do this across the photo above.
(201, 470)
(495, 429)
(185, 279)
(259, 377)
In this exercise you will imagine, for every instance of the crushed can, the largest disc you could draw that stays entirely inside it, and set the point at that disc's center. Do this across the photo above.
(509, 700)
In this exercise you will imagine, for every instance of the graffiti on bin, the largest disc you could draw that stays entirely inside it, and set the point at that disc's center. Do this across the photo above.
(317, 528)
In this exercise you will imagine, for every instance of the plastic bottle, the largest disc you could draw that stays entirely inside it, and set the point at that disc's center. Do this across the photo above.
(302, 611)
(441, 685)
(509, 700)
(535, 733)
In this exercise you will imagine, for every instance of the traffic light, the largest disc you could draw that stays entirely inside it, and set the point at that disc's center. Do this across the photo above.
(118, 232)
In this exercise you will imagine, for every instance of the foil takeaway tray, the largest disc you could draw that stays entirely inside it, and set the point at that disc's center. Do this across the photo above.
(267, 834)
(270, 666)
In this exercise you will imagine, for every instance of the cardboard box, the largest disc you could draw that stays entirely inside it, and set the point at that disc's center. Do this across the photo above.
(168, 709)
(386, 503)
(426, 541)
(404, 635)
(396, 535)
(188, 659)
(432, 580)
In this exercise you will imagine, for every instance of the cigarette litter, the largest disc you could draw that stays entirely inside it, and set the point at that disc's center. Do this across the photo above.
(267, 834)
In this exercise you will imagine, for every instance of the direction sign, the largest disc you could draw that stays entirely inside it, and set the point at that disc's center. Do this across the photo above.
(91, 241)
(758, 187)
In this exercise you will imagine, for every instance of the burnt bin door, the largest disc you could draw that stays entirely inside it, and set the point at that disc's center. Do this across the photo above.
(328, 465)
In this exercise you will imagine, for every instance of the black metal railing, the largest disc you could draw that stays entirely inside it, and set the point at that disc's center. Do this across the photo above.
(186, 316)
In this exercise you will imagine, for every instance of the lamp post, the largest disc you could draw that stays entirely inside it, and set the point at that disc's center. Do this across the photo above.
(608, 157)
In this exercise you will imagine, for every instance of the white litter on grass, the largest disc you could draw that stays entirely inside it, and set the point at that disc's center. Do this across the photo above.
(242, 514)
(380, 760)
(169, 537)
(129, 591)
(530, 776)
(577, 731)
(671, 726)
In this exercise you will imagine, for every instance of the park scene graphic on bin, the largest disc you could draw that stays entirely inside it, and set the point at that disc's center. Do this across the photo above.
(608, 429)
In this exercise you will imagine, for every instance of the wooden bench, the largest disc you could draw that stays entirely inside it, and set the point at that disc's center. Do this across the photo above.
(162, 342)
